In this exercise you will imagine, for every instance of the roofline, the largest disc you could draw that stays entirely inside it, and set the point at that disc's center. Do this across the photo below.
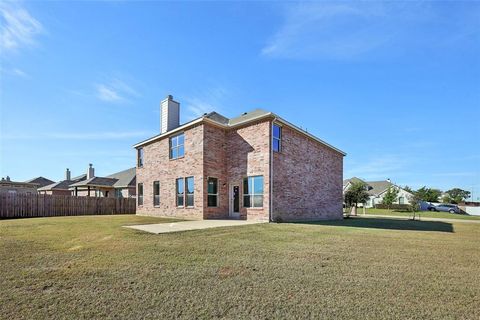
(279, 119)
(160, 136)
(241, 123)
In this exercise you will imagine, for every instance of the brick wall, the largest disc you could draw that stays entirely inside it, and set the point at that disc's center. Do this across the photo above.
(215, 166)
(248, 155)
(158, 167)
(307, 179)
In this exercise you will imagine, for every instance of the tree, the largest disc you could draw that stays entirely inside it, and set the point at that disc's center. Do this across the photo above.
(390, 196)
(428, 194)
(414, 203)
(408, 189)
(357, 193)
(458, 195)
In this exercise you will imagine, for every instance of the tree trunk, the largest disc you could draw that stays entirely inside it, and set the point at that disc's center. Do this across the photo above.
(354, 210)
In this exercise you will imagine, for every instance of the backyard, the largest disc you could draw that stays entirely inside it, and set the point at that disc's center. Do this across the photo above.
(421, 214)
(91, 267)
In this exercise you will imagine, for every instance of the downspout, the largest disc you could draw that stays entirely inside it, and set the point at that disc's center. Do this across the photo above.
(270, 212)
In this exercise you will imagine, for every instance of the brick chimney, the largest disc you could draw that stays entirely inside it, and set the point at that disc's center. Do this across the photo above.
(90, 171)
(67, 175)
(169, 114)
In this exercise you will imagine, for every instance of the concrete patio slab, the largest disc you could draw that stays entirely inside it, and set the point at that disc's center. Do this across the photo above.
(190, 225)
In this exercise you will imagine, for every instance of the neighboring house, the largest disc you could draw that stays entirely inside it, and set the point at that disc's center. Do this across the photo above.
(255, 166)
(15, 187)
(117, 185)
(377, 189)
(61, 187)
(40, 181)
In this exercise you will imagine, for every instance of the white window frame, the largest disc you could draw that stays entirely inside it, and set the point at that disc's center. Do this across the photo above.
(178, 194)
(140, 195)
(156, 196)
(279, 139)
(252, 195)
(140, 157)
(176, 146)
(213, 194)
(187, 194)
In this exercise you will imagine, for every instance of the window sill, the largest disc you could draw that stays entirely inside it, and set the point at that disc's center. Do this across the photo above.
(254, 208)
(189, 207)
(173, 159)
(156, 206)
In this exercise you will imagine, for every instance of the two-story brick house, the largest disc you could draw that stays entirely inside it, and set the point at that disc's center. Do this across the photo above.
(255, 166)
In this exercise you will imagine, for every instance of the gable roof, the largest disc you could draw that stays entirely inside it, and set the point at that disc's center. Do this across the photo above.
(377, 187)
(352, 180)
(40, 181)
(95, 182)
(124, 178)
(247, 117)
(120, 179)
(64, 184)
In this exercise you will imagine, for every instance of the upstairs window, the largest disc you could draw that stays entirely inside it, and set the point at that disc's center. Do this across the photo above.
(177, 149)
(156, 193)
(253, 192)
(140, 194)
(140, 157)
(277, 138)
(190, 191)
(212, 197)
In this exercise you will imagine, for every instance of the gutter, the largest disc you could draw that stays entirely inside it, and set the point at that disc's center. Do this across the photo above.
(270, 210)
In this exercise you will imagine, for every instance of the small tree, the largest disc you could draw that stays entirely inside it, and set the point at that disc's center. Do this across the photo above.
(414, 203)
(458, 195)
(428, 194)
(390, 196)
(357, 193)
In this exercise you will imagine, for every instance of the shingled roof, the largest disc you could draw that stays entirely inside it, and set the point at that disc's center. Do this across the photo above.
(247, 117)
(40, 181)
(64, 184)
(124, 178)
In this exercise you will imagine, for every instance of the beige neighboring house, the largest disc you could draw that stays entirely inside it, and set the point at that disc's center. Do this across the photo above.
(61, 187)
(16, 187)
(117, 185)
(256, 166)
(377, 189)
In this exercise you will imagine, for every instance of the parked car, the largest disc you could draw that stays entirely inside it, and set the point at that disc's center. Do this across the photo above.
(445, 208)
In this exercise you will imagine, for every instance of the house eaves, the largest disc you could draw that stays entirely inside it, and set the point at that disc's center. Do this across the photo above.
(238, 122)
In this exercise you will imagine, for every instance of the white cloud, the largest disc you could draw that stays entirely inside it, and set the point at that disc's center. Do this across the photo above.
(114, 91)
(347, 30)
(208, 101)
(20, 73)
(381, 168)
(108, 135)
(18, 27)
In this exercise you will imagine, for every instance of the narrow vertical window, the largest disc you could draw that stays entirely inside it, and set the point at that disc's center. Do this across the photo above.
(180, 192)
(277, 138)
(253, 192)
(177, 148)
(190, 191)
(156, 193)
(212, 197)
(140, 157)
(140, 194)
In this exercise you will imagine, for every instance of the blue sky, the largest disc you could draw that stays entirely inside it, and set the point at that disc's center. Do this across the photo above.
(394, 84)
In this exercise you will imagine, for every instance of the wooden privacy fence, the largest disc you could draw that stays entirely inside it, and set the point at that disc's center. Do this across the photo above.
(39, 205)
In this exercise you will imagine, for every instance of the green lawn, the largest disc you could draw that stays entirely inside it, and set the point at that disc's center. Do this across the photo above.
(424, 214)
(90, 267)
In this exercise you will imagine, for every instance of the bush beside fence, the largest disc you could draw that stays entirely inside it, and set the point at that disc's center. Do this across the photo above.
(393, 206)
(38, 205)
